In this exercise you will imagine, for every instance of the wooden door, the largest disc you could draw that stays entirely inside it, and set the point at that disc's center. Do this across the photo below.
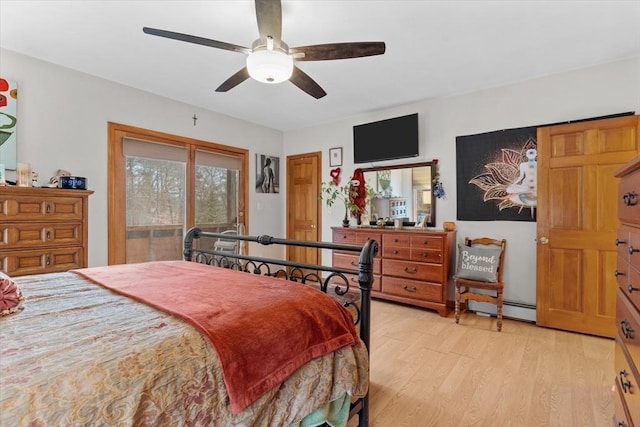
(577, 222)
(303, 205)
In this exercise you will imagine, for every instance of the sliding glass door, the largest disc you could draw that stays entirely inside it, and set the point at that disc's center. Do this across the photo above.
(168, 186)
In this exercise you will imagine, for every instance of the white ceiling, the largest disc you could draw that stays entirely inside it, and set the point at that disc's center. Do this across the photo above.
(434, 48)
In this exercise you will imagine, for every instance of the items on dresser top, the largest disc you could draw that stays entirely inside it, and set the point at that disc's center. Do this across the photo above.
(627, 349)
(43, 230)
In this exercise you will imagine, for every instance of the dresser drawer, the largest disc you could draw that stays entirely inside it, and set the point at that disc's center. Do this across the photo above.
(350, 262)
(628, 279)
(25, 208)
(363, 237)
(629, 198)
(344, 236)
(628, 324)
(20, 263)
(396, 240)
(412, 289)
(353, 281)
(396, 252)
(426, 255)
(412, 270)
(30, 235)
(427, 242)
(620, 416)
(627, 381)
(634, 248)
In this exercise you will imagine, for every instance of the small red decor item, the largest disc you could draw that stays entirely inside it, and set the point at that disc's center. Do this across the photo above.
(10, 296)
(335, 176)
(358, 193)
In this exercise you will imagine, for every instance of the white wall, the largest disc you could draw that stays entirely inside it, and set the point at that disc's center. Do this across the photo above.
(596, 91)
(62, 124)
(63, 117)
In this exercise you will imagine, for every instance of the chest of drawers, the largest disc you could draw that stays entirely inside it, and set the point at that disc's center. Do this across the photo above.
(412, 266)
(627, 349)
(42, 230)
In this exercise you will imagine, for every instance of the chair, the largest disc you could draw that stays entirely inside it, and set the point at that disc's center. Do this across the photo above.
(480, 266)
(231, 246)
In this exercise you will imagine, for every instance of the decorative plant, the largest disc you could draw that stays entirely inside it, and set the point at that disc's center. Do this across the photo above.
(346, 193)
(332, 192)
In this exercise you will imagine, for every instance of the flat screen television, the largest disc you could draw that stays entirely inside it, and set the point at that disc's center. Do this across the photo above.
(395, 138)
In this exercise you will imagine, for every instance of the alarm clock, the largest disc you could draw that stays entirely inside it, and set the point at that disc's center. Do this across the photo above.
(74, 182)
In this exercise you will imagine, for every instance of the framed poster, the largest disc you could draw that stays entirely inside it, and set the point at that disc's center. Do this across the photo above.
(496, 175)
(335, 156)
(267, 174)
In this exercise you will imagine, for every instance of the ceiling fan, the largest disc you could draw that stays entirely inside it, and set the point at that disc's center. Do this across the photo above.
(271, 60)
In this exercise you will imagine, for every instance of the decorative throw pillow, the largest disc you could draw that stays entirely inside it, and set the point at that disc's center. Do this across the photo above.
(10, 296)
(478, 263)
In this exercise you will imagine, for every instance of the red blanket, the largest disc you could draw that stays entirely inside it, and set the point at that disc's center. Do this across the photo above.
(262, 328)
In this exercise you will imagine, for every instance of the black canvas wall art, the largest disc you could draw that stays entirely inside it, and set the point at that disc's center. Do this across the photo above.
(497, 175)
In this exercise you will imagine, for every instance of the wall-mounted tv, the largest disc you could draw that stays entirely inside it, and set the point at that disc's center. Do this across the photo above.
(395, 138)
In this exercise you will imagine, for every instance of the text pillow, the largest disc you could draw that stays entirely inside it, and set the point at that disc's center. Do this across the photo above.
(10, 295)
(475, 263)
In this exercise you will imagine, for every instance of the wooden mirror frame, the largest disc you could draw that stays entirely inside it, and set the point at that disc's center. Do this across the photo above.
(431, 165)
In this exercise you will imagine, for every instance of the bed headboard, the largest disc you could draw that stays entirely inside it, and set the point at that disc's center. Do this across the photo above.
(204, 247)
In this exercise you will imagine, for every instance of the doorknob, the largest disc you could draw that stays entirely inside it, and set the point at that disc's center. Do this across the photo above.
(543, 240)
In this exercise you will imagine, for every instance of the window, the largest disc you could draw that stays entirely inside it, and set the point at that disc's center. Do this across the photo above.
(160, 185)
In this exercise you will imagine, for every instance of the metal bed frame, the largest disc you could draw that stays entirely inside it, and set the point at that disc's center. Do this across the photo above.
(334, 279)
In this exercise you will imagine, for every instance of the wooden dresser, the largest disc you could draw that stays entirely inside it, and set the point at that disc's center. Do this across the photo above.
(413, 266)
(43, 230)
(627, 348)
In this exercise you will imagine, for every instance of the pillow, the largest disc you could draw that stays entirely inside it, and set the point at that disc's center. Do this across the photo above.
(10, 296)
(478, 263)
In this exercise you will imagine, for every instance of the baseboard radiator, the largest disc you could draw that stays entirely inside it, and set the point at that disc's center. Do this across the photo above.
(510, 309)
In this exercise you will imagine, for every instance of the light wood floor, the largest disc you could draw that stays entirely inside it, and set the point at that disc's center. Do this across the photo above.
(428, 371)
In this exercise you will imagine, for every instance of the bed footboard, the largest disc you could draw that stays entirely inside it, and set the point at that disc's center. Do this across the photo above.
(199, 246)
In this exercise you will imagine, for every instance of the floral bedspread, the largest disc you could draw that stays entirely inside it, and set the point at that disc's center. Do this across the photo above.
(79, 355)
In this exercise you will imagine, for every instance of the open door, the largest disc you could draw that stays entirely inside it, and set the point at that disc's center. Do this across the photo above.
(577, 222)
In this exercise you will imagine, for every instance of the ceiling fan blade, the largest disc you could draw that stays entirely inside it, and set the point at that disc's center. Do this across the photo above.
(196, 40)
(323, 52)
(269, 15)
(306, 83)
(234, 80)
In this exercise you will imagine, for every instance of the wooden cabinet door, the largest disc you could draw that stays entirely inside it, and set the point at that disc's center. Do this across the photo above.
(577, 222)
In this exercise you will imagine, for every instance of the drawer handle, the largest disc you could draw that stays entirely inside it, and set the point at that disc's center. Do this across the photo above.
(626, 329)
(47, 235)
(617, 273)
(621, 424)
(620, 242)
(632, 250)
(395, 252)
(626, 385)
(630, 288)
(411, 270)
(630, 198)
(425, 254)
(47, 208)
(409, 289)
(355, 264)
(47, 260)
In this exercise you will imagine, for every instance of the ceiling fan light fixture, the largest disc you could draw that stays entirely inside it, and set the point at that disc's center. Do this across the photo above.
(270, 66)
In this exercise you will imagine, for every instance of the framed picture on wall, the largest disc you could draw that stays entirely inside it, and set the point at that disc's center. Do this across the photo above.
(335, 156)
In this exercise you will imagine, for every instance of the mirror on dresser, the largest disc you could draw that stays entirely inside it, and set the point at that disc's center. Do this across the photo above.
(402, 192)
